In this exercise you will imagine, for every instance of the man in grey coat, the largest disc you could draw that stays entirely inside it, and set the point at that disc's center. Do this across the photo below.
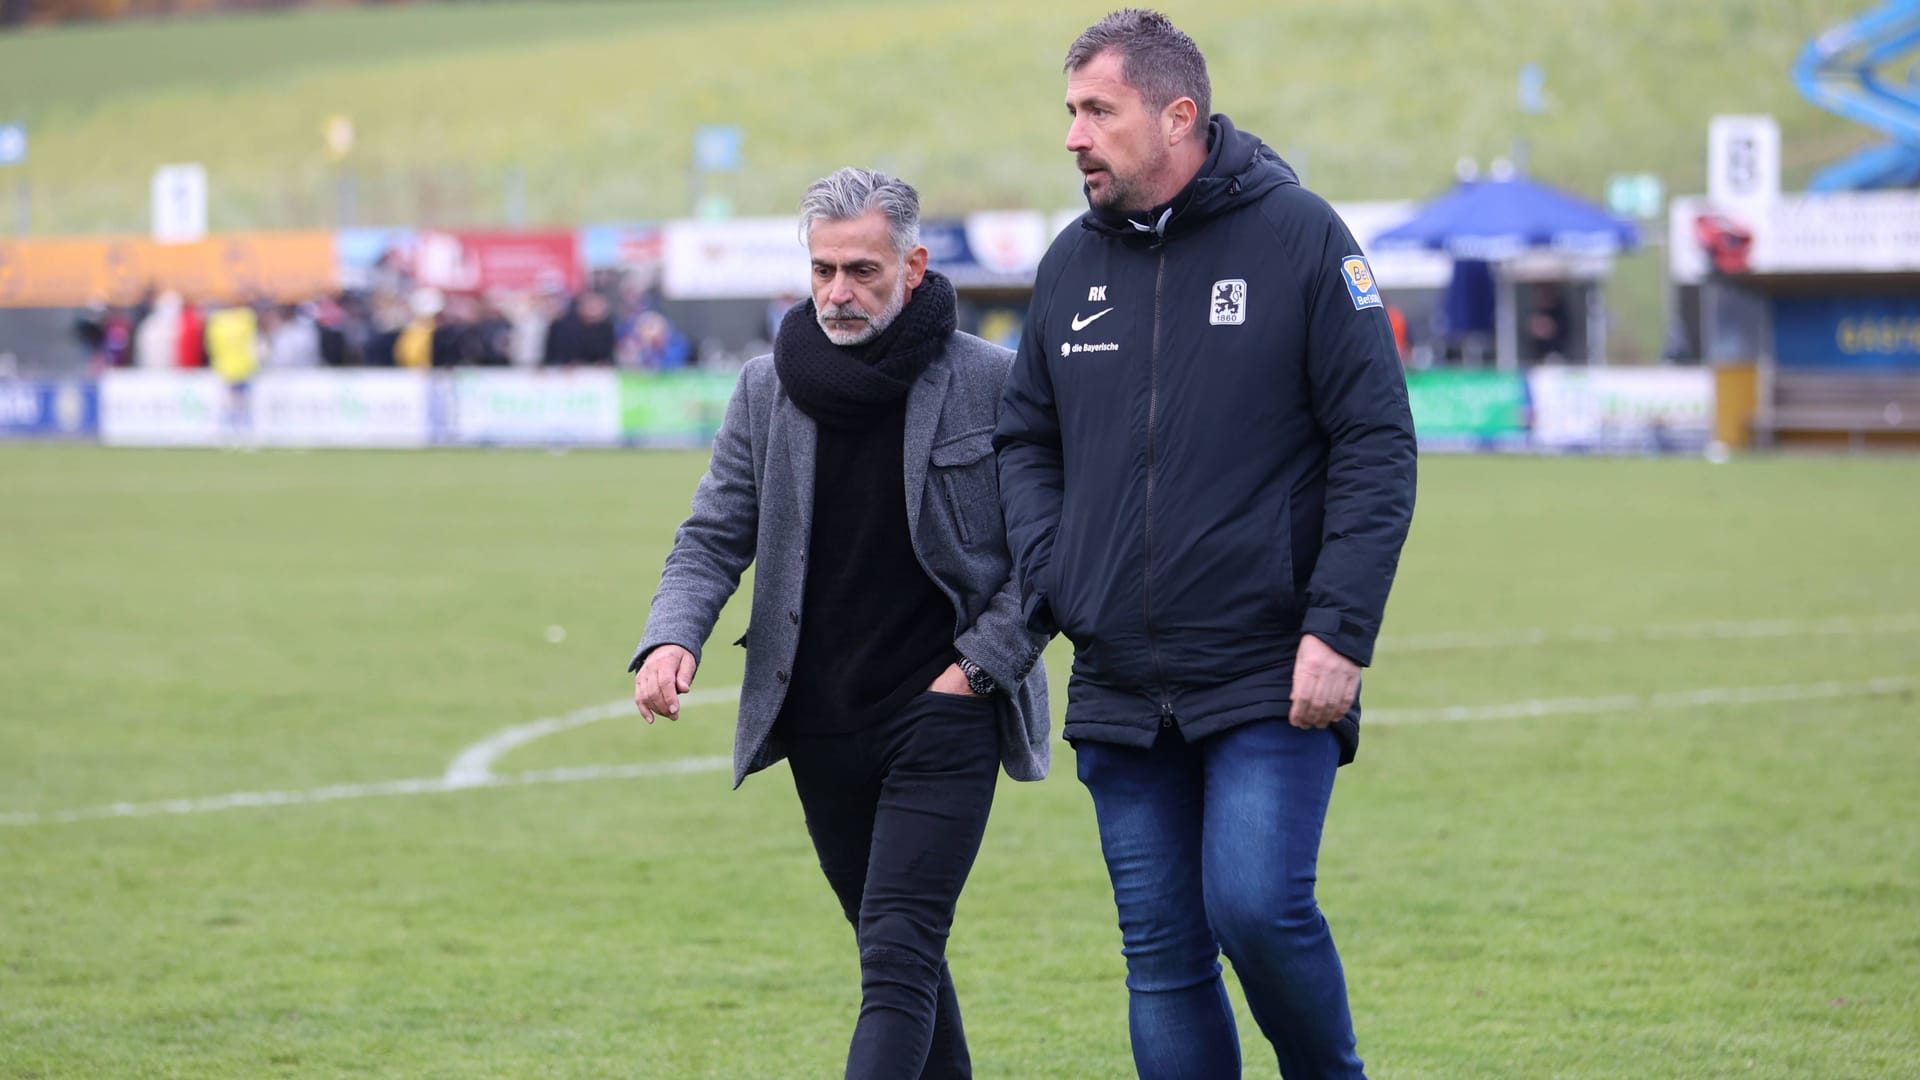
(887, 656)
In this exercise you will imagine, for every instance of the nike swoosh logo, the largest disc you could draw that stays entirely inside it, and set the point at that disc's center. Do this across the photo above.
(1080, 324)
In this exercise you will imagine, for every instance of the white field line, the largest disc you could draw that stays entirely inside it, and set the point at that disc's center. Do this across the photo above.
(1635, 703)
(1871, 626)
(336, 792)
(473, 766)
(1615, 703)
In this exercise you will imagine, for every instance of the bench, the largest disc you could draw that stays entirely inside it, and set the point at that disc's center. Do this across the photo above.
(1856, 405)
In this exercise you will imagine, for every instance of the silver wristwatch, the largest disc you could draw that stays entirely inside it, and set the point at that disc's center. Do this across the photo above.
(978, 680)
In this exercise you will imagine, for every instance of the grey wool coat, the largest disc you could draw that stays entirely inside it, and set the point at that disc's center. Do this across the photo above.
(755, 503)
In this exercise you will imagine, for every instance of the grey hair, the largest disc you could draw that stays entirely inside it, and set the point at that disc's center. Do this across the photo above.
(852, 192)
(1157, 58)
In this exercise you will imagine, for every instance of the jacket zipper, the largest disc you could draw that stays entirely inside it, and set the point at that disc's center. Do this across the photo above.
(1153, 417)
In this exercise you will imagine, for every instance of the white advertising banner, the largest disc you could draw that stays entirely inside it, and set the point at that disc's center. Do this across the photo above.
(539, 408)
(738, 259)
(1008, 241)
(342, 408)
(162, 408)
(1577, 408)
(1394, 269)
(1844, 233)
(1858, 232)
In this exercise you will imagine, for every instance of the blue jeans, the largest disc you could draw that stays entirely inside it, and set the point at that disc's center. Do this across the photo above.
(1212, 846)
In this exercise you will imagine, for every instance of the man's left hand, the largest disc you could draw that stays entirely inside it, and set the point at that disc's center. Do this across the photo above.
(1324, 684)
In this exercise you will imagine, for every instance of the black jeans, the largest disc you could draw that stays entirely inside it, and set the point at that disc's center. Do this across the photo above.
(896, 812)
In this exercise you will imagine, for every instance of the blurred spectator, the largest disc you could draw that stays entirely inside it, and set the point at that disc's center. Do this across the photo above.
(328, 317)
(1546, 325)
(156, 345)
(658, 345)
(391, 274)
(390, 316)
(531, 316)
(414, 347)
(584, 335)
(777, 311)
(191, 352)
(376, 327)
(233, 349)
(1401, 340)
(293, 339)
(233, 343)
(117, 338)
(472, 333)
(90, 329)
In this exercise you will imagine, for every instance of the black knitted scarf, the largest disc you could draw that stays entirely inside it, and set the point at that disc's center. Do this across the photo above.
(844, 386)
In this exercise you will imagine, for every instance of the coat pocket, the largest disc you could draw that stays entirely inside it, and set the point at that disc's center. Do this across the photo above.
(1284, 592)
(964, 473)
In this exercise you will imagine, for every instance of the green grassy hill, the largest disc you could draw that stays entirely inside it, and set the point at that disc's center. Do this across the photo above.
(585, 111)
(596, 102)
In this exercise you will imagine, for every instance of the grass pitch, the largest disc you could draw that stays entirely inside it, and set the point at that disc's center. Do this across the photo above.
(1620, 884)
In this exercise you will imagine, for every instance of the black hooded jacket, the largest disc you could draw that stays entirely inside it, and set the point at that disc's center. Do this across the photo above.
(1205, 451)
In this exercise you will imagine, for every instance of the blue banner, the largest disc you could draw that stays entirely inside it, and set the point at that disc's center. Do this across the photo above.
(954, 248)
(948, 252)
(361, 252)
(1856, 332)
(49, 410)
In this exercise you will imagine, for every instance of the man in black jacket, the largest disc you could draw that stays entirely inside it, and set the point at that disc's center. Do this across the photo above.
(1207, 465)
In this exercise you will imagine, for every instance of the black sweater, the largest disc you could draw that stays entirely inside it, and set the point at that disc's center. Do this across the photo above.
(875, 629)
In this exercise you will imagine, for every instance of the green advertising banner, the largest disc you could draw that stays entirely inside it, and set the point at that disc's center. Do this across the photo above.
(1468, 407)
(682, 408)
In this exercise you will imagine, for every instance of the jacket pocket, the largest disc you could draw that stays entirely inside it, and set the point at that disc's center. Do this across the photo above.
(1282, 588)
(1051, 582)
(963, 472)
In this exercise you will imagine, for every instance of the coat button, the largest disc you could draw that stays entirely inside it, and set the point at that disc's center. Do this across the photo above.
(780, 677)
(1165, 721)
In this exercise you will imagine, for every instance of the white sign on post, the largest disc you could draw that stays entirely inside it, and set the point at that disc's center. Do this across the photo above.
(13, 144)
(1743, 163)
(180, 204)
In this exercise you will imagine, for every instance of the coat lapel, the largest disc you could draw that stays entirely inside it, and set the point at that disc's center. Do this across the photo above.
(924, 402)
(792, 447)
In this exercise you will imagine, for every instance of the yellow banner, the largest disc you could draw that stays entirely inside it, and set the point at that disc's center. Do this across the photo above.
(74, 272)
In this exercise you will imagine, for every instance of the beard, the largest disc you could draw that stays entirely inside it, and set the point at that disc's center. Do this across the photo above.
(874, 322)
(1126, 194)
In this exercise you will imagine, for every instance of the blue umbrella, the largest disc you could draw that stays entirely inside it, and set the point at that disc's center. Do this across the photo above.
(1499, 219)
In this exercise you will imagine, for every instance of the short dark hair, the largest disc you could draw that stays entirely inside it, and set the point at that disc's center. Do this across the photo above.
(1157, 58)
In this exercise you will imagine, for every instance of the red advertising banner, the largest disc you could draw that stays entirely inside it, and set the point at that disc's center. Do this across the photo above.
(486, 261)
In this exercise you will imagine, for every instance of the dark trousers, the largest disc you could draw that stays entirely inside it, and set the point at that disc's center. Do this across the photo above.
(896, 812)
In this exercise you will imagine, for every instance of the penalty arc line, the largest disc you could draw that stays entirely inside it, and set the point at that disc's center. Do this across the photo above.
(1682, 699)
(473, 766)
